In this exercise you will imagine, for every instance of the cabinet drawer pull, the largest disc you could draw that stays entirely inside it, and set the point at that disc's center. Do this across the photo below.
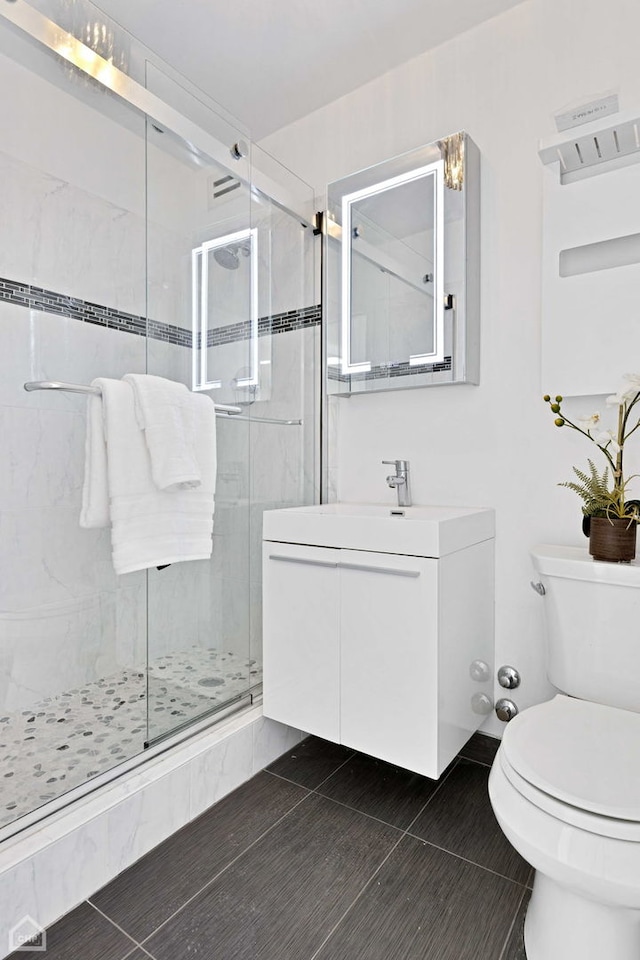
(308, 562)
(371, 569)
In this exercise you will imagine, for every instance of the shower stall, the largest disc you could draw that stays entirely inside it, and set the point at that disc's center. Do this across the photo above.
(141, 232)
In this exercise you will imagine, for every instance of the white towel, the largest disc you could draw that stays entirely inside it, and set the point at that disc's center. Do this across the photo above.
(166, 411)
(149, 527)
(95, 490)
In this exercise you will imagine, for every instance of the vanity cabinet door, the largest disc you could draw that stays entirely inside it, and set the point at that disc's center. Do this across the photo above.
(301, 637)
(389, 668)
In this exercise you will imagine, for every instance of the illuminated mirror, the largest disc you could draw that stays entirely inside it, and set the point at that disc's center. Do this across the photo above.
(402, 271)
(385, 224)
(224, 285)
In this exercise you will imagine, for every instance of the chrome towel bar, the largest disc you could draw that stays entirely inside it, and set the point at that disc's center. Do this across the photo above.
(58, 385)
(222, 409)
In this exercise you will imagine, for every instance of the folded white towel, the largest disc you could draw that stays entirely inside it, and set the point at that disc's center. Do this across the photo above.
(149, 527)
(95, 490)
(166, 411)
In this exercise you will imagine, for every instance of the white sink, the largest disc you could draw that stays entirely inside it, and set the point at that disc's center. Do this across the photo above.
(420, 531)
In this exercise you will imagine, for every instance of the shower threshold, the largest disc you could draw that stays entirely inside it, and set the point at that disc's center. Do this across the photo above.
(69, 739)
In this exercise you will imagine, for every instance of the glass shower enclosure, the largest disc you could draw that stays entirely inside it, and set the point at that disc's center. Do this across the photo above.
(142, 232)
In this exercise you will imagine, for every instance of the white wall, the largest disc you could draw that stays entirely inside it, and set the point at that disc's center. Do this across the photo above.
(492, 444)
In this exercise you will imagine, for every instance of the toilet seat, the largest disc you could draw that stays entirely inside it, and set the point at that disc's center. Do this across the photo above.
(565, 812)
(579, 762)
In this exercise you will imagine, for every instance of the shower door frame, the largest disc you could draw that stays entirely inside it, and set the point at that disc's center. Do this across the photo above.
(49, 35)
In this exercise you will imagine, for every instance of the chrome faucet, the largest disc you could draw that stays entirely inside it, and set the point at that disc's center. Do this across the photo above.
(400, 480)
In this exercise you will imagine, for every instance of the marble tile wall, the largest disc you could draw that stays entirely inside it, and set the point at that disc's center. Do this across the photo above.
(65, 239)
(64, 616)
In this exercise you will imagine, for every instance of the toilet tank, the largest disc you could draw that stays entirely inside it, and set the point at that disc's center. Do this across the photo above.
(592, 615)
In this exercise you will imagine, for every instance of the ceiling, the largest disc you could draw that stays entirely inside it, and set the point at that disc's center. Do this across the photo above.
(270, 62)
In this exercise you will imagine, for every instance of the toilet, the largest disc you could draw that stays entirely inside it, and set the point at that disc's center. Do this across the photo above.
(565, 783)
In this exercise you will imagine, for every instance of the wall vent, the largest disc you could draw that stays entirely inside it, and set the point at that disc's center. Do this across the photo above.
(595, 150)
(222, 186)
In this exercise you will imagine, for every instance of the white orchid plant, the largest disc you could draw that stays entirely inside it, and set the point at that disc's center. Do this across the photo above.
(602, 495)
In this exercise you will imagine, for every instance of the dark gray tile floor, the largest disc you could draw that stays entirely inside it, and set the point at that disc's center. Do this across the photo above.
(327, 855)
(460, 820)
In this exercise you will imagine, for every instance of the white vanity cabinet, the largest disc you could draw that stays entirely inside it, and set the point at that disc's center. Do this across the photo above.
(376, 649)
(302, 618)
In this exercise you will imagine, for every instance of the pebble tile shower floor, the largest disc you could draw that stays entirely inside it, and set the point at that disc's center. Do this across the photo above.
(65, 740)
(326, 855)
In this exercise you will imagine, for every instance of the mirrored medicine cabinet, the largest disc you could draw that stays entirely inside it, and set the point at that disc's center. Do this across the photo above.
(403, 271)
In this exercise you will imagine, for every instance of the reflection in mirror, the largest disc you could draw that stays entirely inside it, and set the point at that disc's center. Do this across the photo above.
(224, 275)
(402, 271)
(395, 229)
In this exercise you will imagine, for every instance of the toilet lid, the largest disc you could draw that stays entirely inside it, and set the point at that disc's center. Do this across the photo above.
(584, 754)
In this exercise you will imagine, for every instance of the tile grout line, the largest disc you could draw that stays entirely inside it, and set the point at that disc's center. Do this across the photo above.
(279, 776)
(405, 833)
(502, 955)
(136, 949)
(431, 796)
(135, 943)
(473, 760)
(333, 772)
(365, 886)
(473, 863)
(225, 868)
(369, 816)
(315, 789)
(363, 813)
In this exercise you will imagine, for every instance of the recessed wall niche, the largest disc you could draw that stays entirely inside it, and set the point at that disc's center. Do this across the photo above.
(591, 257)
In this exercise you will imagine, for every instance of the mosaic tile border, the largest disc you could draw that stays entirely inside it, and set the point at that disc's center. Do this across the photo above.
(50, 301)
(60, 304)
(384, 371)
(270, 325)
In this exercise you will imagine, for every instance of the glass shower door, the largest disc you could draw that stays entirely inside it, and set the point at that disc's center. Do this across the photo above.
(201, 260)
(234, 270)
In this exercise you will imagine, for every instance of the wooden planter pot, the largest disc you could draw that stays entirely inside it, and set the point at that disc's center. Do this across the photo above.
(613, 540)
